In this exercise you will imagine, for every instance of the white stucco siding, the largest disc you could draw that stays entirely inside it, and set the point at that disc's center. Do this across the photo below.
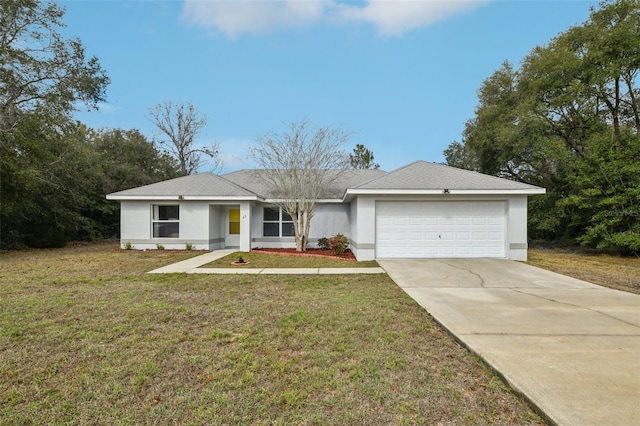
(194, 222)
(329, 220)
(136, 225)
(365, 230)
(517, 228)
(353, 227)
(135, 221)
(256, 221)
(216, 227)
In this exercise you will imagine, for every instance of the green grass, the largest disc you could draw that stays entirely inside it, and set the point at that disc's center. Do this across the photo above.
(620, 273)
(269, 260)
(87, 338)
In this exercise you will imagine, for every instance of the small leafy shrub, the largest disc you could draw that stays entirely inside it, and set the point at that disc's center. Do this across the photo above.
(128, 245)
(241, 260)
(324, 243)
(188, 246)
(339, 243)
(159, 246)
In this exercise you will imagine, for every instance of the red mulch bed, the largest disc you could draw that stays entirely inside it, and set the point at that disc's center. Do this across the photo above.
(347, 255)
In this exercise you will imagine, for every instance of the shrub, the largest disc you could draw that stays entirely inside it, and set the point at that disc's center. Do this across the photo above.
(159, 246)
(128, 245)
(324, 243)
(188, 246)
(339, 243)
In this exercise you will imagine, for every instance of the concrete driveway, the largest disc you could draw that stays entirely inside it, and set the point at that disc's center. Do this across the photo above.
(571, 347)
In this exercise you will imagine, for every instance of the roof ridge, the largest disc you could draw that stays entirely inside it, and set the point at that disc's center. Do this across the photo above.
(230, 182)
(388, 173)
(482, 174)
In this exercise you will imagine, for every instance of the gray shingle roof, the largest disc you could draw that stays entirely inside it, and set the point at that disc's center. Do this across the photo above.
(422, 175)
(249, 184)
(254, 181)
(203, 184)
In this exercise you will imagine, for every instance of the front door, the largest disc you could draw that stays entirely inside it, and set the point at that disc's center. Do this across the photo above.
(232, 238)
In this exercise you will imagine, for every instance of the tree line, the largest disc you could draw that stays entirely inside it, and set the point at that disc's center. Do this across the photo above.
(568, 119)
(55, 171)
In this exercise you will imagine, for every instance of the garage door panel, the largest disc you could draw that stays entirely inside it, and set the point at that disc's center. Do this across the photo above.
(384, 236)
(463, 251)
(416, 236)
(495, 221)
(440, 229)
(415, 221)
(463, 236)
(399, 220)
(495, 236)
(447, 236)
(447, 221)
(463, 221)
(479, 236)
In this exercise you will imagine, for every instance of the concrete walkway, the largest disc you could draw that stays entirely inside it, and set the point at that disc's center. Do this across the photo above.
(570, 347)
(192, 266)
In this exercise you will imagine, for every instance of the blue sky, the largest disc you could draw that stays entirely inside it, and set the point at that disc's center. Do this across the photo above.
(402, 76)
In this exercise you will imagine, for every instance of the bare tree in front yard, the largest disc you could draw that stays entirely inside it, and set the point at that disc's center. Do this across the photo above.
(180, 123)
(299, 165)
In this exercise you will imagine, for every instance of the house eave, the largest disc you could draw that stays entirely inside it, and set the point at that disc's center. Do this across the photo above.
(319, 201)
(180, 198)
(350, 193)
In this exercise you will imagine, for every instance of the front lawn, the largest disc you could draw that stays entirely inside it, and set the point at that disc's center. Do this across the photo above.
(86, 337)
(270, 260)
(620, 273)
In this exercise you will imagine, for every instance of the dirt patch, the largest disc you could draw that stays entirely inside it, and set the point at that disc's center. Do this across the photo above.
(347, 255)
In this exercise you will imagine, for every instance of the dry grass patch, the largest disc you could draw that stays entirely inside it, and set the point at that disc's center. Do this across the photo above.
(87, 338)
(272, 260)
(620, 273)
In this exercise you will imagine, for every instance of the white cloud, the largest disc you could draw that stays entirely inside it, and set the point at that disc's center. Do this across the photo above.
(396, 17)
(389, 17)
(233, 17)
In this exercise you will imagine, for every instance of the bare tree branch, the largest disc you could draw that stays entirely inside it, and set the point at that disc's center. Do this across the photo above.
(299, 165)
(180, 123)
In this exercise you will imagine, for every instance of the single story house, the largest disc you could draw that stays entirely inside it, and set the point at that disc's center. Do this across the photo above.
(422, 210)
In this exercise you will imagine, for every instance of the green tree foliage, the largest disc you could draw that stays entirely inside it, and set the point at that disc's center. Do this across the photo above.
(54, 181)
(127, 159)
(39, 69)
(362, 158)
(54, 172)
(569, 120)
(47, 176)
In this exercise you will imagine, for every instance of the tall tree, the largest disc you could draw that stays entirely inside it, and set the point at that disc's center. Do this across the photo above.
(362, 158)
(300, 164)
(569, 120)
(40, 69)
(181, 123)
(46, 167)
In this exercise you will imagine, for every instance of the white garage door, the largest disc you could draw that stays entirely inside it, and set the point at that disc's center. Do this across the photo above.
(440, 229)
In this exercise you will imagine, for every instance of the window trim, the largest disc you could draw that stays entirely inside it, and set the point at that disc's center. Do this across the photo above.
(280, 222)
(154, 220)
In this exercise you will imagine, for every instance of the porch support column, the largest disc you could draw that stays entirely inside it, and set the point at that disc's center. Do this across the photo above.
(245, 226)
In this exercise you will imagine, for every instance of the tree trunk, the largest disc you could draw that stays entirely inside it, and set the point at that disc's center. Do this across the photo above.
(634, 103)
(298, 227)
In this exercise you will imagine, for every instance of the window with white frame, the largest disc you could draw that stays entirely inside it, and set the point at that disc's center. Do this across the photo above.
(166, 221)
(276, 223)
